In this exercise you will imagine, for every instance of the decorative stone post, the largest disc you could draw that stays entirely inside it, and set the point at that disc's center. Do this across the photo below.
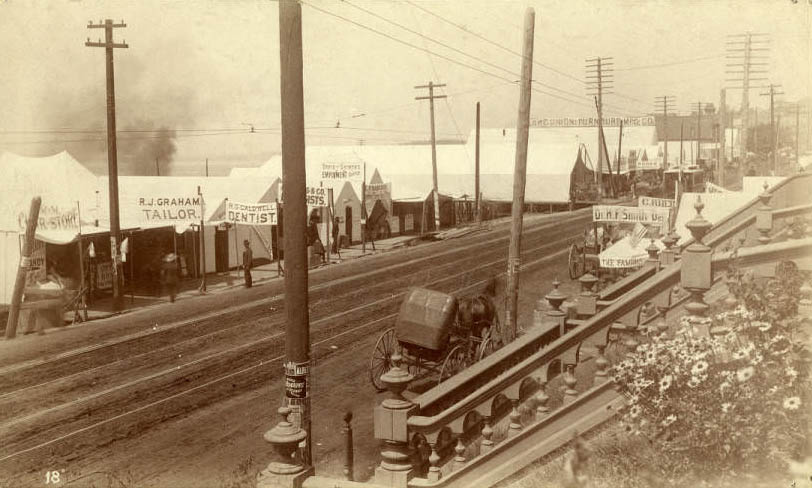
(764, 216)
(349, 453)
(696, 272)
(515, 417)
(570, 393)
(459, 454)
(653, 251)
(662, 325)
(588, 299)
(555, 298)
(668, 255)
(286, 470)
(674, 237)
(391, 415)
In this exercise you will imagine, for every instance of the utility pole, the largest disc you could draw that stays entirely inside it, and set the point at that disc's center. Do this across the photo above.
(698, 107)
(207, 167)
(112, 154)
(157, 168)
(435, 192)
(476, 171)
(667, 103)
(297, 326)
(744, 51)
(202, 288)
(797, 135)
(519, 181)
(599, 79)
(721, 156)
(773, 134)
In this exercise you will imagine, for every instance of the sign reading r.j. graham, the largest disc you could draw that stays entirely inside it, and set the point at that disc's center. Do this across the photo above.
(177, 209)
(251, 213)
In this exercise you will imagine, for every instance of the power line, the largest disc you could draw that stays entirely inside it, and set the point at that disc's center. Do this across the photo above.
(675, 63)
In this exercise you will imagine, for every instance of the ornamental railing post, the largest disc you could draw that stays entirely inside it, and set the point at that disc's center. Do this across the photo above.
(764, 216)
(390, 419)
(587, 305)
(653, 260)
(555, 298)
(668, 255)
(286, 470)
(696, 272)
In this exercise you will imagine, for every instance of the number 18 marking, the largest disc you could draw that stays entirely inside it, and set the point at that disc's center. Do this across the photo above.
(52, 477)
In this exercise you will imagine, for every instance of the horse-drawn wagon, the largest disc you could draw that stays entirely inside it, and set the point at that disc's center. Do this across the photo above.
(437, 333)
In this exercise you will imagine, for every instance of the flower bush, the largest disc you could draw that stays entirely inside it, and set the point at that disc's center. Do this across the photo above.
(734, 398)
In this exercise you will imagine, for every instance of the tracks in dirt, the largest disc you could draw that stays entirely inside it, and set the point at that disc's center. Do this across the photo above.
(117, 389)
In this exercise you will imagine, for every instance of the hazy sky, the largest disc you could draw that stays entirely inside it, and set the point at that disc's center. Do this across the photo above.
(210, 69)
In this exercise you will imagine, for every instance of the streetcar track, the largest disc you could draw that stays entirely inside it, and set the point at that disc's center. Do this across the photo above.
(199, 320)
(247, 369)
(247, 345)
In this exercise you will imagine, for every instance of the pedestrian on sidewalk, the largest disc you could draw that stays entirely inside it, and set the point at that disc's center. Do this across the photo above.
(247, 262)
(169, 275)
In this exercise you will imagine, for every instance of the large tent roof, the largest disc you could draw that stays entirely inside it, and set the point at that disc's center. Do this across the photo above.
(64, 185)
(717, 207)
(214, 190)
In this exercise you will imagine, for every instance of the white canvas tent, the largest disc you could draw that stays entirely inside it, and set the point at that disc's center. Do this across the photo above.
(68, 192)
(717, 207)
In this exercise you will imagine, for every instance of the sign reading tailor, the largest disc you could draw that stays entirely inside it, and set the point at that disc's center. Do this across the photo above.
(252, 213)
(619, 213)
(180, 209)
(316, 196)
(652, 202)
(52, 218)
(341, 171)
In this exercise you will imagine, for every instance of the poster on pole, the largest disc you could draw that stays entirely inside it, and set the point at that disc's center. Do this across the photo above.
(651, 202)
(252, 213)
(342, 171)
(621, 214)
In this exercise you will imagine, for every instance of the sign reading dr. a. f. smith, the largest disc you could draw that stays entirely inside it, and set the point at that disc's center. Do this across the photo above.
(619, 213)
(179, 209)
(251, 213)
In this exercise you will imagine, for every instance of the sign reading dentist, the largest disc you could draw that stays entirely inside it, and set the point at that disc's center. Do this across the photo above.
(251, 213)
(174, 210)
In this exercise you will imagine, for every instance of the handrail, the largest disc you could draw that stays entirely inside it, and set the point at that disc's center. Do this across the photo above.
(597, 324)
(783, 213)
(720, 233)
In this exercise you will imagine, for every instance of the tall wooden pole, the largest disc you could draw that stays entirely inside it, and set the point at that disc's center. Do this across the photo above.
(476, 169)
(364, 205)
(519, 173)
(434, 190)
(722, 156)
(112, 154)
(797, 136)
(22, 269)
(202, 241)
(297, 328)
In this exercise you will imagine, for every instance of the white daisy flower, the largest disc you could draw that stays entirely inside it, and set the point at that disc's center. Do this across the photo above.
(665, 382)
(699, 368)
(792, 403)
(745, 374)
(669, 420)
(726, 407)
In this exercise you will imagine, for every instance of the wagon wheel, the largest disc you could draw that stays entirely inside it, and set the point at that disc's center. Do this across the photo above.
(576, 265)
(485, 349)
(454, 362)
(382, 357)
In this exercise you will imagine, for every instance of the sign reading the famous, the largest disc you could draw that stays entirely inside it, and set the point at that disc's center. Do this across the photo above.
(52, 218)
(619, 213)
(180, 209)
(652, 202)
(591, 121)
(341, 171)
(316, 196)
(252, 213)
(622, 261)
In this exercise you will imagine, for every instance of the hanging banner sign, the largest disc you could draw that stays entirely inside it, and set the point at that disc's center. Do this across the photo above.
(622, 262)
(252, 213)
(618, 213)
(342, 171)
(52, 218)
(316, 196)
(651, 202)
(174, 210)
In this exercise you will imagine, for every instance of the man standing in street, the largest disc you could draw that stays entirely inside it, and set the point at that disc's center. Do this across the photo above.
(247, 260)
(335, 233)
(169, 275)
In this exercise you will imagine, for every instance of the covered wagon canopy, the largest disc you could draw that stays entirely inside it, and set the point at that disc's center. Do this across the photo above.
(67, 189)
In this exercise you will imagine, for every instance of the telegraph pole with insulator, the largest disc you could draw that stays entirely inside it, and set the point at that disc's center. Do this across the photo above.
(745, 53)
(666, 102)
(773, 134)
(112, 156)
(435, 191)
(598, 81)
